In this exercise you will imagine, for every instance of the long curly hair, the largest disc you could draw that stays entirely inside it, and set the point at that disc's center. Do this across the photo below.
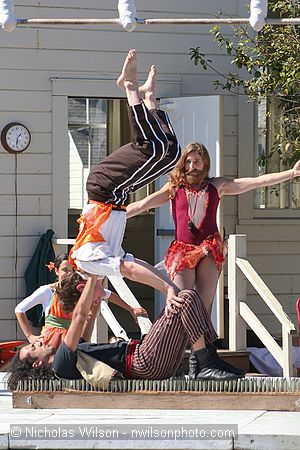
(22, 370)
(177, 176)
(67, 292)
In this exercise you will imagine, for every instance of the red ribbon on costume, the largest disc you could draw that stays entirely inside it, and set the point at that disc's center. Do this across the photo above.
(129, 357)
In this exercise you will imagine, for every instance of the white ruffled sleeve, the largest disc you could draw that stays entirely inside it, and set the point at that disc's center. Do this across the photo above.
(42, 296)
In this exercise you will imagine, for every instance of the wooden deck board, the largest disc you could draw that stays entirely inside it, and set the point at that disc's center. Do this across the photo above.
(157, 400)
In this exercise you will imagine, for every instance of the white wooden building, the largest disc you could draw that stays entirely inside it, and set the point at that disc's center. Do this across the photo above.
(59, 81)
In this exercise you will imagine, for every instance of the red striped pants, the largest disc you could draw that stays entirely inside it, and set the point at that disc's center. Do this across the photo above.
(162, 350)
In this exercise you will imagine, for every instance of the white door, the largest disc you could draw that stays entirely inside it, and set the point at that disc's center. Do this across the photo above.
(195, 119)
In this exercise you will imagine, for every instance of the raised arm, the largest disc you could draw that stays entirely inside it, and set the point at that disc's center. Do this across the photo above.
(81, 314)
(152, 201)
(98, 294)
(226, 186)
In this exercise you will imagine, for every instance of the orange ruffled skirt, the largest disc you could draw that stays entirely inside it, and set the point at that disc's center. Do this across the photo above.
(186, 256)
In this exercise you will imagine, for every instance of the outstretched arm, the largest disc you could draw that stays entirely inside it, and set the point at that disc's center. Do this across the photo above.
(226, 186)
(81, 314)
(152, 201)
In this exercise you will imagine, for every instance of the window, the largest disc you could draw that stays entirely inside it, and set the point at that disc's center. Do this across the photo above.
(267, 159)
(87, 133)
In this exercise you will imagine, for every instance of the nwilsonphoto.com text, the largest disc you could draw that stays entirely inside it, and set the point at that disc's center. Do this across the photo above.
(110, 432)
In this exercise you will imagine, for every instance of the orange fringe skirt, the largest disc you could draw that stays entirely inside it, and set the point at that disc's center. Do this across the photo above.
(187, 256)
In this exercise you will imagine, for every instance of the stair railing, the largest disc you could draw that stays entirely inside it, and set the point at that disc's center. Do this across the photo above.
(240, 315)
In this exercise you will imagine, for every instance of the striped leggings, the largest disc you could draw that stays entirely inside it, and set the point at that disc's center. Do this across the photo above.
(154, 151)
(162, 350)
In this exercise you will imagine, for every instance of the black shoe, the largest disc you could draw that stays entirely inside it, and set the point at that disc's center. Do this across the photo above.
(193, 366)
(208, 373)
(208, 370)
(223, 365)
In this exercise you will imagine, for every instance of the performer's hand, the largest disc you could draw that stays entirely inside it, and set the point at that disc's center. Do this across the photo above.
(296, 170)
(96, 302)
(99, 290)
(33, 339)
(138, 312)
(173, 302)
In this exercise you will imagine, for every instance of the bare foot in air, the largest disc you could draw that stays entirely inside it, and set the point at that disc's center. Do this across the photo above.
(149, 87)
(148, 90)
(128, 77)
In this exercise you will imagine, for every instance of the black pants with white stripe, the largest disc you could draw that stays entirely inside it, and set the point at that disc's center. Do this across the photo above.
(154, 151)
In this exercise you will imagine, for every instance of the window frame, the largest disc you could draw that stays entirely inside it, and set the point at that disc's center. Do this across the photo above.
(246, 158)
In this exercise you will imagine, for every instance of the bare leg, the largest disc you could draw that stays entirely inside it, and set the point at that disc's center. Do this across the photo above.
(157, 272)
(142, 272)
(206, 281)
(148, 90)
(128, 79)
(185, 279)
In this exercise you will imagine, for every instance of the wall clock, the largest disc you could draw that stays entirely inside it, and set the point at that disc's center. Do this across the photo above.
(15, 137)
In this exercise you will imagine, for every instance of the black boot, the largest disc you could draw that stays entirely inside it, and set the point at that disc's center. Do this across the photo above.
(208, 370)
(223, 365)
(193, 366)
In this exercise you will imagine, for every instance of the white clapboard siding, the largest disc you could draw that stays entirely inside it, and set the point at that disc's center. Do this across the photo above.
(8, 328)
(26, 245)
(31, 205)
(26, 101)
(34, 184)
(285, 246)
(9, 308)
(90, 37)
(39, 164)
(24, 80)
(7, 186)
(64, 60)
(7, 206)
(271, 233)
(171, 8)
(27, 205)
(7, 163)
(36, 121)
(7, 287)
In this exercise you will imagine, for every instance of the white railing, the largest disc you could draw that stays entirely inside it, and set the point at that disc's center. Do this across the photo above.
(239, 271)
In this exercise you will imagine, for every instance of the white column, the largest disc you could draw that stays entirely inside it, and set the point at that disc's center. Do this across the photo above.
(237, 292)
